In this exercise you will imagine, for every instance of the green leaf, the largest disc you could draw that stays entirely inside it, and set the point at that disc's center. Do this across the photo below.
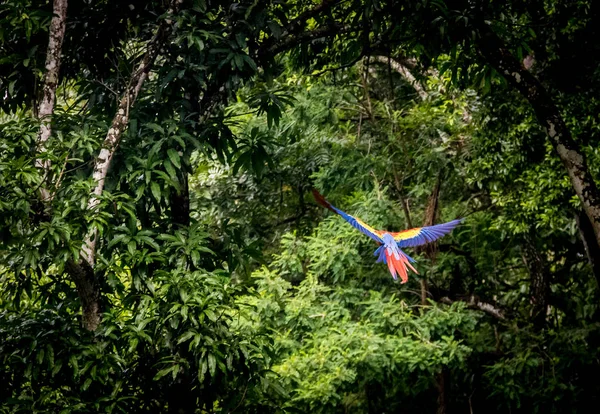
(156, 192)
(174, 157)
(170, 170)
(155, 127)
(243, 160)
(87, 384)
(186, 336)
(250, 62)
(117, 239)
(174, 369)
(202, 371)
(275, 28)
(211, 315)
(57, 367)
(167, 79)
(212, 364)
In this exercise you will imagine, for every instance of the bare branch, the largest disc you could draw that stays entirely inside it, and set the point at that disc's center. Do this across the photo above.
(475, 303)
(340, 67)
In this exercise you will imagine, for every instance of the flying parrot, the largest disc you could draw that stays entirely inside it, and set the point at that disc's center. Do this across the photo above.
(390, 243)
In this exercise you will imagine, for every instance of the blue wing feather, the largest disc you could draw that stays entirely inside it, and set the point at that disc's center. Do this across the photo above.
(354, 222)
(429, 234)
(357, 224)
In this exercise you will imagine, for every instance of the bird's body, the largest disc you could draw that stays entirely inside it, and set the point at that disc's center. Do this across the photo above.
(390, 251)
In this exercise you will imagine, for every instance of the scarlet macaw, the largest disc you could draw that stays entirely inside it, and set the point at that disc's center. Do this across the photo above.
(390, 243)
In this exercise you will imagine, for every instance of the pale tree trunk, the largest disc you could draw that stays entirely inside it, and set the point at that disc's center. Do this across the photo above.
(82, 273)
(46, 106)
(292, 35)
(404, 72)
(83, 276)
(119, 125)
(499, 57)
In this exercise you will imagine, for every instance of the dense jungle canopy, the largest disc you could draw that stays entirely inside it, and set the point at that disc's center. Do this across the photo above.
(161, 251)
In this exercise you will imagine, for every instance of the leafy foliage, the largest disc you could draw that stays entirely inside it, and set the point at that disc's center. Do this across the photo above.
(221, 286)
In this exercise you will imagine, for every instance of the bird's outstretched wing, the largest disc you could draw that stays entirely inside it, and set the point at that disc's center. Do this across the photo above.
(355, 222)
(422, 235)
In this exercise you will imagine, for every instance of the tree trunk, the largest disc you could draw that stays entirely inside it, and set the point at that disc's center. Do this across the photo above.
(442, 385)
(88, 290)
(592, 250)
(46, 107)
(540, 282)
(431, 213)
(499, 57)
(430, 249)
(180, 203)
(82, 275)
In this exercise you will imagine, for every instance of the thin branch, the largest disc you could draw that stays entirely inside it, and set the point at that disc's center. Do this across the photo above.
(344, 66)
(404, 202)
(363, 79)
(295, 26)
(284, 44)
(60, 177)
(111, 90)
(475, 303)
(242, 399)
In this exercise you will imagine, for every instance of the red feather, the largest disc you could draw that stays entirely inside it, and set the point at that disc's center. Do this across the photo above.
(399, 266)
(321, 200)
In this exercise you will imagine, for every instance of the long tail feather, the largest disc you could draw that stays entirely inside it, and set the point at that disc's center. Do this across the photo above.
(321, 200)
(399, 265)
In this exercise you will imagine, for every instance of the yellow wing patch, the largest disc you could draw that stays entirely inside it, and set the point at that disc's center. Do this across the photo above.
(366, 226)
(406, 234)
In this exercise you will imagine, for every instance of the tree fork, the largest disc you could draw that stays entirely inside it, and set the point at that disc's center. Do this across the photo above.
(88, 290)
(82, 273)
